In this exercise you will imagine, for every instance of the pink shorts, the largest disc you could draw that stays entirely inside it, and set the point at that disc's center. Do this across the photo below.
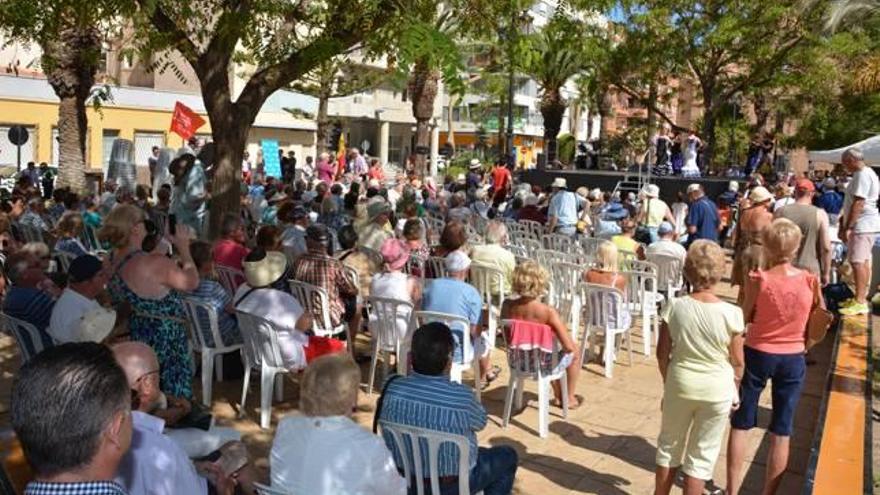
(860, 246)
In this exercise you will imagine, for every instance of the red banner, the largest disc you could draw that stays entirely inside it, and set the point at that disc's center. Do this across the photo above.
(185, 122)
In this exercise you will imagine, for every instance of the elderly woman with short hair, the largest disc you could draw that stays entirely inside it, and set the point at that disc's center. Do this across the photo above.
(324, 452)
(530, 283)
(777, 305)
(493, 253)
(699, 354)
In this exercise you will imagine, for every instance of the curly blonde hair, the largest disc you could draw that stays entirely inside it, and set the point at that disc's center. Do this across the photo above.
(118, 224)
(330, 386)
(704, 265)
(782, 239)
(530, 280)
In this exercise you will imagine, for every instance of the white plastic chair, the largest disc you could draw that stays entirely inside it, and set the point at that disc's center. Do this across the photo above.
(28, 338)
(484, 277)
(212, 356)
(316, 300)
(453, 322)
(261, 350)
(642, 299)
(590, 245)
(438, 266)
(536, 230)
(604, 309)
(229, 278)
(385, 316)
(409, 442)
(526, 363)
(670, 273)
(560, 242)
(64, 259)
(531, 245)
(565, 278)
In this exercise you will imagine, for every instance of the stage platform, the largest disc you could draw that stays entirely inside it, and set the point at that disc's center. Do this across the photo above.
(606, 180)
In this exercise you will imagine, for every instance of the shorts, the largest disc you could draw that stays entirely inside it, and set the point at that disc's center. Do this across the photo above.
(859, 247)
(786, 372)
(692, 430)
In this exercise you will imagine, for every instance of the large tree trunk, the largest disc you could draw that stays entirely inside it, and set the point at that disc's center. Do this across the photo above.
(323, 122)
(423, 90)
(651, 124)
(552, 106)
(70, 65)
(709, 139)
(762, 112)
(450, 131)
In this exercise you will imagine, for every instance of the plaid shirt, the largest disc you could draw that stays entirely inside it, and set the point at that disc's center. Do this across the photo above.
(82, 488)
(316, 268)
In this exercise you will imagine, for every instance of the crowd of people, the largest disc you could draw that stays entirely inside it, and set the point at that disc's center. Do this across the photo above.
(106, 281)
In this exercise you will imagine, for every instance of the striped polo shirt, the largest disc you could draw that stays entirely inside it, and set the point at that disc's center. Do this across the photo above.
(434, 403)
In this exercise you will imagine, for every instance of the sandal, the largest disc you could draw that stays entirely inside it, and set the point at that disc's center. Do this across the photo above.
(571, 407)
(491, 376)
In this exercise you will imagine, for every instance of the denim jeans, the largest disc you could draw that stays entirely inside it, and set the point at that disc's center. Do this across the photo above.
(570, 230)
(493, 474)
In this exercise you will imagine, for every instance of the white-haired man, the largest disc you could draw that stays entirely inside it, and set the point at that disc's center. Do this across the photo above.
(859, 226)
(494, 254)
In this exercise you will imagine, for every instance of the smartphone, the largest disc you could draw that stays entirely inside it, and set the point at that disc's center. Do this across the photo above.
(172, 224)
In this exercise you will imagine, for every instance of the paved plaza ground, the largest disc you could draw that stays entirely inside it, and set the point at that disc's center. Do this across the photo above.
(605, 447)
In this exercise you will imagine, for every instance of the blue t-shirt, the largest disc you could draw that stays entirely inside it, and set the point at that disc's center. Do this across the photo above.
(704, 216)
(831, 202)
(446, 295)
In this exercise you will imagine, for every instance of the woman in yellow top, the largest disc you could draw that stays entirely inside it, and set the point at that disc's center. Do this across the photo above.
(700, 356)
(653, 211)
(625, 241)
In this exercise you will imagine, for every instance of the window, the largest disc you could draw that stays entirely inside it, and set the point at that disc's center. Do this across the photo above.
(143, 146)
(456, 114)
(9, 152)
(107, 138)
(56, 148)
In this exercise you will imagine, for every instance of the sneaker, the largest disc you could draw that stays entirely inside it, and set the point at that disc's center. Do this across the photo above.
(847, 302)
(855, 309)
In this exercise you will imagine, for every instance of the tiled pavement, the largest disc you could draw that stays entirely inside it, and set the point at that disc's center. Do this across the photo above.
(605, 447)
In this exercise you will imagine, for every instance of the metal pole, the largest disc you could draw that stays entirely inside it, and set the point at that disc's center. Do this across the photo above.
(511, 154)
(18, 160)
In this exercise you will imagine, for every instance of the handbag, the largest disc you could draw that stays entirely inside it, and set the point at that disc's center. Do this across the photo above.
(819, 321)
(643, 234)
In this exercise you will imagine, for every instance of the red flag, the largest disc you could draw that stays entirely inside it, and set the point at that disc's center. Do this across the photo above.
(185, 122)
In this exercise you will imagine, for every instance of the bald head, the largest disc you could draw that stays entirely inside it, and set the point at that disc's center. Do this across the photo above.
(136, 359)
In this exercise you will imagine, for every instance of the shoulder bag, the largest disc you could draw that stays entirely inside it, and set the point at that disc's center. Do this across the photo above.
(819, 321)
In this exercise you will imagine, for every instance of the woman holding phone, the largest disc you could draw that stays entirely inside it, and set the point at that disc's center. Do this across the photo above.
(150, 285)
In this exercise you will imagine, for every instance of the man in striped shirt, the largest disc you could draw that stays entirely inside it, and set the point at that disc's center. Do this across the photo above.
(427, 399)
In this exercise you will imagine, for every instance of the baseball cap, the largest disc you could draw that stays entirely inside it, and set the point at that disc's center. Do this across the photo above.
(693, 188)
(665, 228)
(83, 268)
(805, 185)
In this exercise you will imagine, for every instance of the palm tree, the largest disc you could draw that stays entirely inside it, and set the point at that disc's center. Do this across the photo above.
(867, 77)
(553, 56)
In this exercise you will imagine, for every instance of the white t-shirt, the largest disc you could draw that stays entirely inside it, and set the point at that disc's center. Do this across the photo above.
(394, 285)
(67, 316)
(329, 456)
(282, 310)
(865, 185)
(667, 247)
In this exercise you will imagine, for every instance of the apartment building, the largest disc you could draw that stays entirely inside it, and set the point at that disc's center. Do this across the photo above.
(140, 109)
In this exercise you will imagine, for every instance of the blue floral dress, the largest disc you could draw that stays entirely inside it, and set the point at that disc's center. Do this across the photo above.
(159, 323)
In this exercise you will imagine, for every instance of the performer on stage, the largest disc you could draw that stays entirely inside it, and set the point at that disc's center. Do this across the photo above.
(663, 148)
(677, 158)
(691, 147)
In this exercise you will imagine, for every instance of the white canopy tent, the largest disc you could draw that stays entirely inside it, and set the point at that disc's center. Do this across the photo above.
(870, 147)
